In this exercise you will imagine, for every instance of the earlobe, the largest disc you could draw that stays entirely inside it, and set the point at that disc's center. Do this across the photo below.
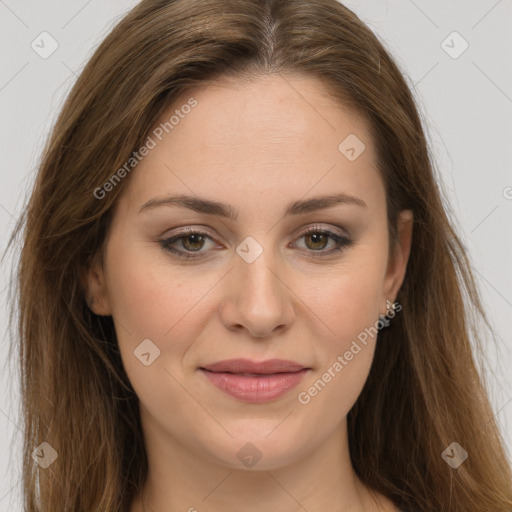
(95, 290)
(397, 266)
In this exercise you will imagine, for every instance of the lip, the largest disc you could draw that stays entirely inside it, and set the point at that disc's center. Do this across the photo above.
(253, 381)
(249, 366)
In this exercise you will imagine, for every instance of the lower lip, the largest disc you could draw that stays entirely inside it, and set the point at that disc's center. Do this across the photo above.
(253, 389)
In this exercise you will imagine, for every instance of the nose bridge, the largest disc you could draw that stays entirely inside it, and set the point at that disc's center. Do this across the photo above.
(260, 300)
(259, 276)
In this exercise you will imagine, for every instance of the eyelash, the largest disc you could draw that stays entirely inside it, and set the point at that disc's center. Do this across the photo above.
(341, 241)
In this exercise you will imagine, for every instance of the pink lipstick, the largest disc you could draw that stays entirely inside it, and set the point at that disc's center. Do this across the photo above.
(252, 381)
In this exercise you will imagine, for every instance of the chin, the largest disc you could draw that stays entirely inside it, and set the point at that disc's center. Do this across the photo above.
(254, 449)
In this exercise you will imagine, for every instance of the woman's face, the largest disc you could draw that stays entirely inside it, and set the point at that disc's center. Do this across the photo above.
(260, 166)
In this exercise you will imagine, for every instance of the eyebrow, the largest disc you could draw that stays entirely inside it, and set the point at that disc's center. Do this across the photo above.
(210, 207)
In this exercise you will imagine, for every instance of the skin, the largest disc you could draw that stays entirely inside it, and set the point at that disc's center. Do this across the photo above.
(257, 147)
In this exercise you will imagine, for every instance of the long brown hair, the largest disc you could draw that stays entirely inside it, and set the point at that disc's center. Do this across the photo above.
(423, 392)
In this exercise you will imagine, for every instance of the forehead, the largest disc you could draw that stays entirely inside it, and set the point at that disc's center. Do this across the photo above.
(276, 136)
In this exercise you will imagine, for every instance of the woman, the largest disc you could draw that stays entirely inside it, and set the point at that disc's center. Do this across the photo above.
(239, 288)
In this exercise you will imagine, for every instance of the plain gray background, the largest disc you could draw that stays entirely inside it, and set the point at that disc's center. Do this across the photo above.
(465, 98)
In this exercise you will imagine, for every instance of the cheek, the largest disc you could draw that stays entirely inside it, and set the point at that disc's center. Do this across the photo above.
(153, 300)
(149, 295)
(349, 308)
(344, 361)
(348, 300)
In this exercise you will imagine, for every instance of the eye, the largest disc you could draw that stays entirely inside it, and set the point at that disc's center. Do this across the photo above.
(192, 241)
(316, 239)
(189, 244)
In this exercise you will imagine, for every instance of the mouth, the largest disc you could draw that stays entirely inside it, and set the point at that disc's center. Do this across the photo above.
(255, 382)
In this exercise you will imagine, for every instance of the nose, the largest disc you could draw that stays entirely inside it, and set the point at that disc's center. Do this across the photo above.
(257, 297)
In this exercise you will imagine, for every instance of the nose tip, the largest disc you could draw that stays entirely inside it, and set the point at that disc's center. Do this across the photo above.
(257, 299)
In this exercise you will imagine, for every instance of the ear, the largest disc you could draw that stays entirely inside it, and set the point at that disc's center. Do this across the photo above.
(93, 283)
(397, 264)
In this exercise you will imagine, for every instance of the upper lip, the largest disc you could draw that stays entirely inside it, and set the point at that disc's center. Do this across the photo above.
(248, 366)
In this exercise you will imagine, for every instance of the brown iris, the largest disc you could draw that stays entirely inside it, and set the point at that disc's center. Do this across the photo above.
(318, 238)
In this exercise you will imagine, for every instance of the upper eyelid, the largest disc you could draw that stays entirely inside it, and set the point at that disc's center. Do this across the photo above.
(202, 230)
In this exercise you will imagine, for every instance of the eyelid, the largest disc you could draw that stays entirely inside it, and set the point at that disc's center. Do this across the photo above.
(201, 229)
(196, 228)
(342, 240)
(322, 227)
